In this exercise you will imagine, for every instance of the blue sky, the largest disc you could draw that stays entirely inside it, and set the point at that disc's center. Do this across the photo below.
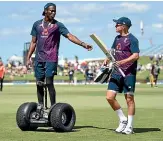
(81, 19)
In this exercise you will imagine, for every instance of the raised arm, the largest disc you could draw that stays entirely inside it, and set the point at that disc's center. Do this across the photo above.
(75, 40)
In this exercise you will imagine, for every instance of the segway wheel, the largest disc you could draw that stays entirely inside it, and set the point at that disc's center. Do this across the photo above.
(62, 117)
(23, 116)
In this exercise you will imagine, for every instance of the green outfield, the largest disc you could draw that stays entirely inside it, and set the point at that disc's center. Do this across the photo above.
(95, 119)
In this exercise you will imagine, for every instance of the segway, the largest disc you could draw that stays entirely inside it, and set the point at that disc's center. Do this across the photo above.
(60, 116)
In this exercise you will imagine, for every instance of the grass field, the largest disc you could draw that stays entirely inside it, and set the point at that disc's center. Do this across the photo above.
(95, 119)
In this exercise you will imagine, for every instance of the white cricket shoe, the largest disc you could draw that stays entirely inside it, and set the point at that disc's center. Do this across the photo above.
(122, 126)
(128, 130)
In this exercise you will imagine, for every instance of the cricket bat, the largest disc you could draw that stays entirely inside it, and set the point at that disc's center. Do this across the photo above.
(103, 47)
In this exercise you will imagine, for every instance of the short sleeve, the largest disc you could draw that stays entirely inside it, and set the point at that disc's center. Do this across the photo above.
(114, 43)
(134, 45)
(34, 31)
(62, 29)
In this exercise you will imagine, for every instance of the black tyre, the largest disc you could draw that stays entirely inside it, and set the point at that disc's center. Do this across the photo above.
(62, 117)
(23, 116)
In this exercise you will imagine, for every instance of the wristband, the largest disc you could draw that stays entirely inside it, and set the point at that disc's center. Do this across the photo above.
(82, 43)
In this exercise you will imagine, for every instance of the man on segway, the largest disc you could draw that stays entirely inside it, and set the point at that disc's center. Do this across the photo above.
(45, 39)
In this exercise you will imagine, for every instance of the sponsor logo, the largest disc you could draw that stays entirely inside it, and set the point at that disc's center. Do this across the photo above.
(118, 47)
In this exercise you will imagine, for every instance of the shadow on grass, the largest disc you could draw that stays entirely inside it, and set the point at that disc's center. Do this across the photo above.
(75, 129)
(45, 130)
(143, 130)
(52, 130)
(80, 127)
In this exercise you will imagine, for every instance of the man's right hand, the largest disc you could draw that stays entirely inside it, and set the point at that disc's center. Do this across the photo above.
(106, 61)
(28, 63)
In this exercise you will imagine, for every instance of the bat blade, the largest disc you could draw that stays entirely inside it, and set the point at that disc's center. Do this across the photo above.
(103, 47)
(100, 43)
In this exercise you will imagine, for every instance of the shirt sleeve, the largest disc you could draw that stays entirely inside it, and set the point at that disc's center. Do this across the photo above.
(134, 46)
(34, 31)
(114, 44)
(63, 30)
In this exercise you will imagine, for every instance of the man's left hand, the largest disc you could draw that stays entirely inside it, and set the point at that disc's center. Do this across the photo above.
(119, 63)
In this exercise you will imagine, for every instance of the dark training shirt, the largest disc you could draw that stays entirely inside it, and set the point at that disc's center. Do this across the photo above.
(48, 39)
(122, 48)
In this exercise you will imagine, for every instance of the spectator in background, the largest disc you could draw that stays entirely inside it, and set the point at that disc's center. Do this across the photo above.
(90, 75)
(66, 66)
(155, 71)
(2, 74)
(152, 77)
(76, 64)
(71, 76)
(86, 75)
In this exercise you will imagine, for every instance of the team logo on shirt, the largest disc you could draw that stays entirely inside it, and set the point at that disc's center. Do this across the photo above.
(125, 40)
(45, 32)
(118, 47)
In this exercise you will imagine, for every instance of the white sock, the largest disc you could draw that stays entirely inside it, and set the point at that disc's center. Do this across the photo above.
(130, 120)
(121, 115)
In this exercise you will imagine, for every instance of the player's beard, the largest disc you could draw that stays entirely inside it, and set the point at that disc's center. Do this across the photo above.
(52, 16)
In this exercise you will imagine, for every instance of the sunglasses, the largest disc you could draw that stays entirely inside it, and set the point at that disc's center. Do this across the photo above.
(117, 25)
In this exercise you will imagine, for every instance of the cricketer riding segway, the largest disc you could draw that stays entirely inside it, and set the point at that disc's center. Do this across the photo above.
(60, 116)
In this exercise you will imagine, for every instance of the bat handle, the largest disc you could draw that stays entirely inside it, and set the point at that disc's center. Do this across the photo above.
(121, 72)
